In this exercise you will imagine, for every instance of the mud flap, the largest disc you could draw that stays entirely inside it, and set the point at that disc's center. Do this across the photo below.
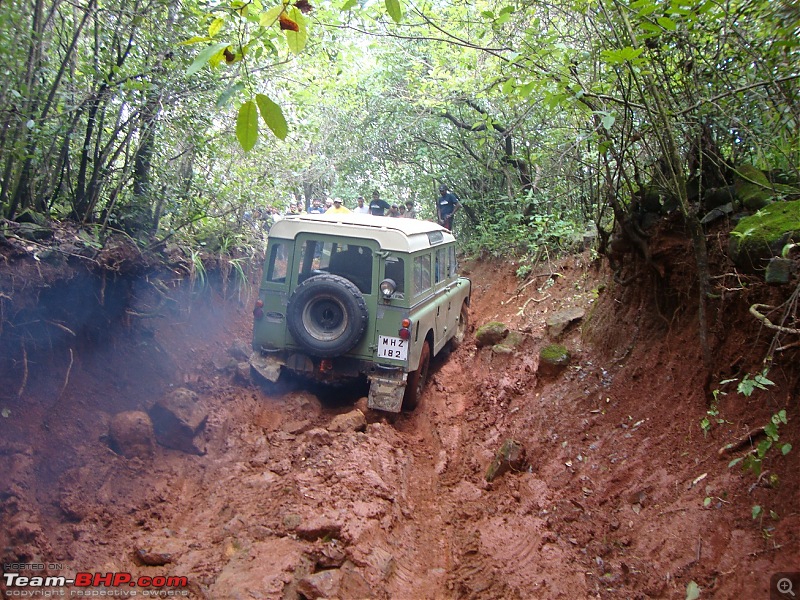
(269, 367)
(386, 393)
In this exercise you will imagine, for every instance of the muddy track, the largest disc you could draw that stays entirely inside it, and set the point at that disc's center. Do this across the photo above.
(612, 501)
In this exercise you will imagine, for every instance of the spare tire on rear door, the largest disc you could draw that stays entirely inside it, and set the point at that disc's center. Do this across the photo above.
(327, 315)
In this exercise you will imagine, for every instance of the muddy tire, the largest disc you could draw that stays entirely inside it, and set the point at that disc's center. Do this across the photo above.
(327, 315)
(461, 328)
(417, 379)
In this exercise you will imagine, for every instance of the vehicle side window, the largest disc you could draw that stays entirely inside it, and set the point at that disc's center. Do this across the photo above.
(422, 274)
(440, 268)
(451, 253)
(278, 265)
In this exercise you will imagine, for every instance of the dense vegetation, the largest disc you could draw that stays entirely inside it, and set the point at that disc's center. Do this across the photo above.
(545, 118)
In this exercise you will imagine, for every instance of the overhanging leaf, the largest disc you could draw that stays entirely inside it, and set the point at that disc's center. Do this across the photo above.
(247, 125)
(271, 16)
(195, 39)
(205, 56)
(667, 23)
(215, 27)
(273, 116)
(295, 38)
(395, 10)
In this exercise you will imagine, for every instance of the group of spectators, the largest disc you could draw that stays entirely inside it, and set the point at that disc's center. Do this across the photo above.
(378, 207)
(446, 207)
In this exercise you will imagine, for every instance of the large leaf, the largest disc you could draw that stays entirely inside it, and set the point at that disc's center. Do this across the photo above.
(273, 116)
(296, 39)
(247, 125)
(270, 17)
(395, 10)
(205, 56)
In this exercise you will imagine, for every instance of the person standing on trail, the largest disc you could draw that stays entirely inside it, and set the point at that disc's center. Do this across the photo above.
(446, 207)
(410, 213)
(378, 206)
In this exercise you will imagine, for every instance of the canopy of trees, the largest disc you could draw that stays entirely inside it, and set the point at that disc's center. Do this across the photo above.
(170, 118)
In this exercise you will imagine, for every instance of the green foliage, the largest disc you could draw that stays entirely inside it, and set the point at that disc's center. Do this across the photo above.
(753, 461)
(538, 119)
(748, 385)
(712, 414)
(506, 231)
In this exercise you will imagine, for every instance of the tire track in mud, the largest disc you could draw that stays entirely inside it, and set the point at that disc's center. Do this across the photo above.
(422, 567)
(446, 543)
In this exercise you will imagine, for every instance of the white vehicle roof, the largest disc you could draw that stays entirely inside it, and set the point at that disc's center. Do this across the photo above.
(391, 233)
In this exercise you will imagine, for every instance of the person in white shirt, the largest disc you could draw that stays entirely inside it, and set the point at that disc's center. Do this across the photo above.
(361, 207)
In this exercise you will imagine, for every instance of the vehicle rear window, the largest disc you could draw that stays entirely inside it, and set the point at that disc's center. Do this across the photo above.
(353, 262)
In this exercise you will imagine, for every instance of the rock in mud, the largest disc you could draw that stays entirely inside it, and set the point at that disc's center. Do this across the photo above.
(152, 559)
(510, 457)
(490, 334)
(319, 528)
(131, 434)
(240, 350)
(328, 555)
(318, 435)
(325, 584)
(243, 372)
(553, 359)
(779, 270)
(559, 321)
(178, 419)
(352, 421)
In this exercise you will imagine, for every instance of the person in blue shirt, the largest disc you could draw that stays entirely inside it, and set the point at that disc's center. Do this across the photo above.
(316, 207)
(446, 207)
(378, 206)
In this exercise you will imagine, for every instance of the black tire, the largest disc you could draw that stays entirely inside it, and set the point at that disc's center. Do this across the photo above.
(327, 315)
(461, 328)
(417, 379)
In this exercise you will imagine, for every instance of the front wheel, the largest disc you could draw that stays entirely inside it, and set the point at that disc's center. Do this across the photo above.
(417, 379)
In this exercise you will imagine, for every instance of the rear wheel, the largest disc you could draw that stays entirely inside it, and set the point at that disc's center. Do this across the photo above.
(417, 379)
(461, 328)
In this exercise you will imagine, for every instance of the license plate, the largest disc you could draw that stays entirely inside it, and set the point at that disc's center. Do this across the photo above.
(392, 347)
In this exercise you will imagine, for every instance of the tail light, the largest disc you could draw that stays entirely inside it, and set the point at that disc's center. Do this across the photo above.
(325, 365)
(258, 312)
(405, 329)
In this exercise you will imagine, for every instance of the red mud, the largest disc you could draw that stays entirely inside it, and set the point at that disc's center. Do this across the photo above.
(624, 496)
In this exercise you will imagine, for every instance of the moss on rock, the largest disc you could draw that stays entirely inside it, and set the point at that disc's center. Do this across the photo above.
(553, 359)
(763, 235)
(752, 187)
(490, 334)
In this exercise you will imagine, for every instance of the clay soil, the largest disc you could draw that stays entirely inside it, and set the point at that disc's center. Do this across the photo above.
(622, 495)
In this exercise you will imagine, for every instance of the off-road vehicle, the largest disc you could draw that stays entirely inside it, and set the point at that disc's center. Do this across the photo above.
(348, 296)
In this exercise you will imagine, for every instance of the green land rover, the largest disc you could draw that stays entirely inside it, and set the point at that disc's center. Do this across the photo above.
(347, 296)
